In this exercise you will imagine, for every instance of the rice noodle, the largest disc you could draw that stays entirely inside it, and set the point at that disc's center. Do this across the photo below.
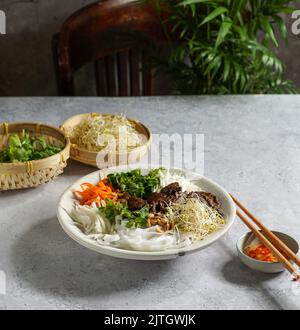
(166, 177)
(90, 221)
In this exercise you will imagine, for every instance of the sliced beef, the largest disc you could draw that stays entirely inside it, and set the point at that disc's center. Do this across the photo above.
(159, 202)
(210, 199)
(135, 203)
(173, 189)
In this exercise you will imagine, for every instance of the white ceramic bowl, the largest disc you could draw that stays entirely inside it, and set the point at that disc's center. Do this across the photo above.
(262, 266)
(67, 201)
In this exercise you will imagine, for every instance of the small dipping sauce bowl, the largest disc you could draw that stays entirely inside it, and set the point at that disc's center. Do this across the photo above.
(264, 266)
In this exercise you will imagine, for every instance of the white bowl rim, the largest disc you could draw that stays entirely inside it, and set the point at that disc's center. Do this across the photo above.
(260, 261)
(122, 253)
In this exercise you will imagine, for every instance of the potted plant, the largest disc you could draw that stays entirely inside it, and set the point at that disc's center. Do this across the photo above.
(224, 46)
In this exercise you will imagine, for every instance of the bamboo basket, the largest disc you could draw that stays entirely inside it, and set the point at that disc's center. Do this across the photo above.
(33, 173)
(107, 159)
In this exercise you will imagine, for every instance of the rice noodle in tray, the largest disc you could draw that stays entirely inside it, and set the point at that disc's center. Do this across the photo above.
(149, 217)
(114, 133)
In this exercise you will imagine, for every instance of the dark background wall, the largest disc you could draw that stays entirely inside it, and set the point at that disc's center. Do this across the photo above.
(26, 66)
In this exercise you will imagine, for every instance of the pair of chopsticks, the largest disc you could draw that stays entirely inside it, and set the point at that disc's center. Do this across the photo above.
(271, 241)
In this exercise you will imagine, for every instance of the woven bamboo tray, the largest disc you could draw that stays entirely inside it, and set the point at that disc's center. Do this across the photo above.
(37, 172)
(112, 159)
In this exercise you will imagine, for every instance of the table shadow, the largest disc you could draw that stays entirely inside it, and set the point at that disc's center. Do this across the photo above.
(51, 262)
(78, 169)
(235, 272)
(21, 193)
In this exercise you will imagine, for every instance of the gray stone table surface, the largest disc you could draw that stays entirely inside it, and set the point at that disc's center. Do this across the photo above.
(252, 148)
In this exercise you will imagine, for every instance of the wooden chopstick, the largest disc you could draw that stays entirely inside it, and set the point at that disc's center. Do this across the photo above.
(268, 244)
(272, 237)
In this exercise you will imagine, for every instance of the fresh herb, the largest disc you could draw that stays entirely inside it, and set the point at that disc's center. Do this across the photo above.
(26, 148)
(111, 210)
(135, 183)
(136, 219)
(139, 218)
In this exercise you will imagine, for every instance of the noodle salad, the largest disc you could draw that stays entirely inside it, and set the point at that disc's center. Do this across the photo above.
(153, 212)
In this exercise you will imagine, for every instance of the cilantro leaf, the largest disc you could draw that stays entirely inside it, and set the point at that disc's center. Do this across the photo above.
(135, 183)
(26, 148)
(136, 219)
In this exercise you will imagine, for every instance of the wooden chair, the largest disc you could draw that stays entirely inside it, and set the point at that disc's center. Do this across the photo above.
(112, 35)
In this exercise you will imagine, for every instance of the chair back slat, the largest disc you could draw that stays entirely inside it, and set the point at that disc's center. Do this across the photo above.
(101, 77)
(124, 73)
(112, 78)
(147, 77)
(136, 72)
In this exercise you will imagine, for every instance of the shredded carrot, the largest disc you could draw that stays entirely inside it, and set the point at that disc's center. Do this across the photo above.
(96, 194)
(262, 253)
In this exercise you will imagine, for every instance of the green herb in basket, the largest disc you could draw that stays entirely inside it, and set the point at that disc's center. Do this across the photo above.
(26, 148)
